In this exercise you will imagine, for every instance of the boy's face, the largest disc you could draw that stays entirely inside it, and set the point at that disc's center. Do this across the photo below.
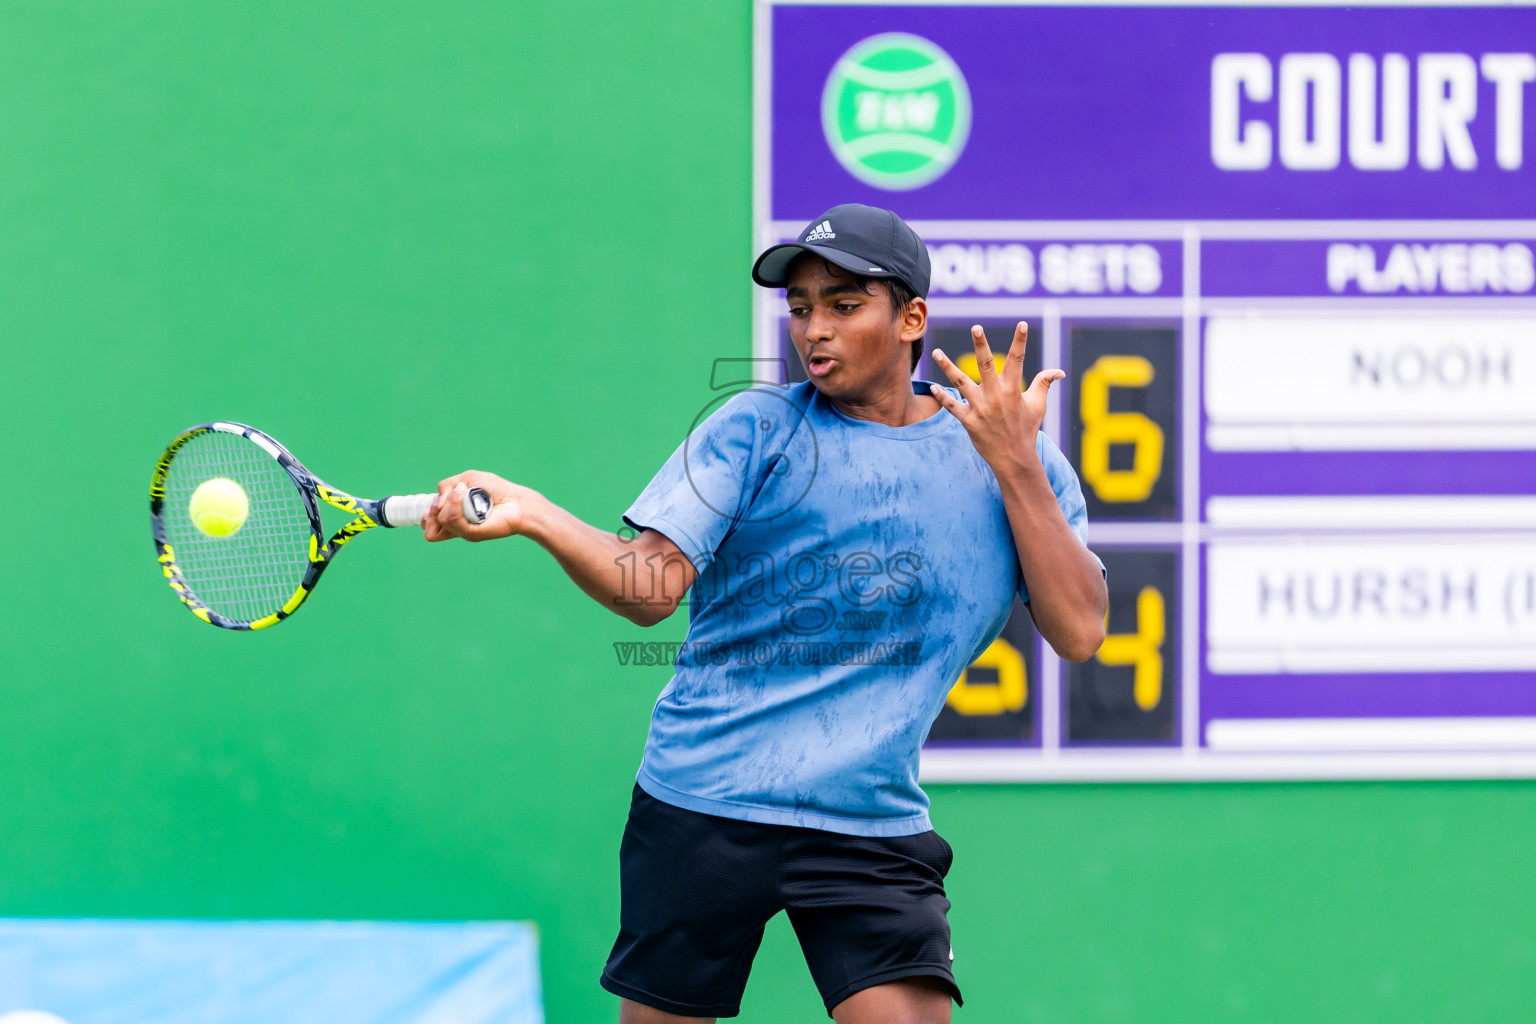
(850, 340)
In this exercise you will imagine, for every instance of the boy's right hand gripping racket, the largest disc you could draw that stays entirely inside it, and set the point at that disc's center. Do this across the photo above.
(236, 521)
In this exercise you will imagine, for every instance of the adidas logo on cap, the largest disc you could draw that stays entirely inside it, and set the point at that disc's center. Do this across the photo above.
(867, 240)
(820, 232)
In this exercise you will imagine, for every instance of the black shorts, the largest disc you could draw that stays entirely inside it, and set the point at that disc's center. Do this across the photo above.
(697, 890)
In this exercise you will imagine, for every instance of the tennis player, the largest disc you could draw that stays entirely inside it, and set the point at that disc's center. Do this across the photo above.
(852, 543)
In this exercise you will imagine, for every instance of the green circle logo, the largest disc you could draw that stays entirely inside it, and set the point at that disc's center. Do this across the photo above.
(896, 111)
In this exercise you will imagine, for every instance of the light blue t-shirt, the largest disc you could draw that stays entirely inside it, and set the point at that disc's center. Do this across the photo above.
(849, 571)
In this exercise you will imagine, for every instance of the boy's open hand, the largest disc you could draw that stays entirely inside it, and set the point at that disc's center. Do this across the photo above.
(1000, 416)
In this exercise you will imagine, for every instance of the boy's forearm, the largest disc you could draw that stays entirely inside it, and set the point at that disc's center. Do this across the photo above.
(613, 572)
(1067, 597)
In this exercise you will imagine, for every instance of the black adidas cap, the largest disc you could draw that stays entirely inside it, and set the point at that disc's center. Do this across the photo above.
(863, 240)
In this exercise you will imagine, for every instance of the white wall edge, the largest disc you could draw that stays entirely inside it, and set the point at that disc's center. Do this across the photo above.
(941, 766)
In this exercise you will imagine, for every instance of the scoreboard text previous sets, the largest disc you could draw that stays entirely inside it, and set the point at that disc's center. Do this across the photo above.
(1285, 256)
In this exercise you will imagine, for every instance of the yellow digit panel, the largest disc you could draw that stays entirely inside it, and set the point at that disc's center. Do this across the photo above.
(1122, 419)
(1128, 692)
(1143, 649)
(1102, 428)
(1009, 693)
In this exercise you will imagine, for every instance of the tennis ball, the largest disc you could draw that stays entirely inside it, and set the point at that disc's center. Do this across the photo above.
(219, 507)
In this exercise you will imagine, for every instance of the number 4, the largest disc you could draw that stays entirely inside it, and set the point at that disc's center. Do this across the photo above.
(1142, 649)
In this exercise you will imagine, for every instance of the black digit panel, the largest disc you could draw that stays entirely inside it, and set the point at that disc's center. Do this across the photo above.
(995, 697)
(1128, 691)
(1121, 420)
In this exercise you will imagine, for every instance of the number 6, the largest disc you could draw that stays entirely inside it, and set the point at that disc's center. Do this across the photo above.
(1102, 428)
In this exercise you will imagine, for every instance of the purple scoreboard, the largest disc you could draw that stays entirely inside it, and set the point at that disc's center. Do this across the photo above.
(1285, 255)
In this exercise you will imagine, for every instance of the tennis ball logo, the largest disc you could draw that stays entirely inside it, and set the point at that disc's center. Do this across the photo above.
(896, 111)
(219, 507)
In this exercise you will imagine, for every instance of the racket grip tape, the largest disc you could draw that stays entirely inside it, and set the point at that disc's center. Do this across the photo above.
(411, 509)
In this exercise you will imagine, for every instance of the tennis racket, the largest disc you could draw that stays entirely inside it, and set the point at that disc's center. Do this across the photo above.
(258, 573)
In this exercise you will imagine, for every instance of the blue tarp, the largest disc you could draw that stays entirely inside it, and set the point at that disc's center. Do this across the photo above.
(245, 972)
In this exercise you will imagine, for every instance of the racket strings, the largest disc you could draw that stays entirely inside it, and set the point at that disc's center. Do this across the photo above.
(256, 570)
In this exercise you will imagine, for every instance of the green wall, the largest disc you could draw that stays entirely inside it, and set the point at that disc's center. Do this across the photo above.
(409, 238)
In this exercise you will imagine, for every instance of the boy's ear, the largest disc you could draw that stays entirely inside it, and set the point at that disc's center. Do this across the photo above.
(914, 319)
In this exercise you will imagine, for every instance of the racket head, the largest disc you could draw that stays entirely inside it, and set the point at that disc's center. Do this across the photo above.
(262, 571)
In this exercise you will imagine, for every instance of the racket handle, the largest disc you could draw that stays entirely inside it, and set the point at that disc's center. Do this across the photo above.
(410, 509)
